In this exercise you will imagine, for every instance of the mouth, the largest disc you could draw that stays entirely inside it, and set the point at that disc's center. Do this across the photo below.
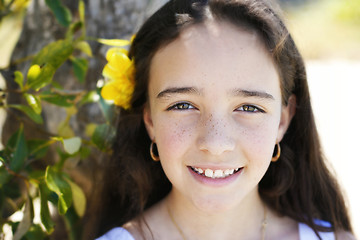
(217, 173)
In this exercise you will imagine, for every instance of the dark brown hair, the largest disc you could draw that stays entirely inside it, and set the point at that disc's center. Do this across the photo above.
(299, 185)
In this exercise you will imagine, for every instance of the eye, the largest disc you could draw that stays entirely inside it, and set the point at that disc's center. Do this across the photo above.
(249, 108)
(181, 106)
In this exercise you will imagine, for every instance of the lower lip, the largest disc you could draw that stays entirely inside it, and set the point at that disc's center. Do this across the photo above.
(215, 182)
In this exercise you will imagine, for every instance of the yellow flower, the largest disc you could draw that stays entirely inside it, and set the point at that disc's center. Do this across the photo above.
(120, 73)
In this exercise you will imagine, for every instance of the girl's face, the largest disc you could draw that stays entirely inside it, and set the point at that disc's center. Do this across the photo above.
(215, 114)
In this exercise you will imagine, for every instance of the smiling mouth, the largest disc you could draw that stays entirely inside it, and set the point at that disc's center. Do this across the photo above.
(218, 173)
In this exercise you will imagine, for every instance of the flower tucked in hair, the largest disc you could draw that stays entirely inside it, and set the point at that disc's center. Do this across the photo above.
(120, 72)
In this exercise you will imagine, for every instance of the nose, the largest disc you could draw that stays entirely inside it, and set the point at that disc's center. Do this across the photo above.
(216, 135)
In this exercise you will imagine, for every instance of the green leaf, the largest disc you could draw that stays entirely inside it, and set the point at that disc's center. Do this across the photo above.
(65, 130)
(43, 78)
(26, 221)
(63, 157)
(62, 13)
(38, 175)
(28, 111)
(72, 145)
(107, 109)
(56, 85)
(90, 129)
(56, 183)
(114, 42)
(80, 67)
(34, 102)
(2, 200)
(72, 219)
(74, 27)
(12, 190)
(82, 11)
(19, 79)
(44, 209)
(35, 233)
(89, 97)
(57, 99)
(84, 47)
(20, 154)
(79, 199)
(4, 176)
(11, 143)
(38, 148)
(84, 153)
(51, 57)
(103, 136)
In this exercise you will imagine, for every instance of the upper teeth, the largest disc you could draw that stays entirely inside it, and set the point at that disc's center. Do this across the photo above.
(218, 173)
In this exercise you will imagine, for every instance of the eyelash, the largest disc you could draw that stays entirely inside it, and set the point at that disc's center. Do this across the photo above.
(188, 106)
(250, 108)
(181, 106)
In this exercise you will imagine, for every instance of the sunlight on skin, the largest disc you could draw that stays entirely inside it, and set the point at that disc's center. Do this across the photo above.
(237, 131)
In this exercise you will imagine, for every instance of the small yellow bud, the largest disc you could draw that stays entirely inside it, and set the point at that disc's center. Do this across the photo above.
(33, 72)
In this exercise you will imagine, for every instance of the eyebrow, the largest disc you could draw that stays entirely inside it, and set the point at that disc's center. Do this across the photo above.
(236, 92)
(178, 90)
(249, 93)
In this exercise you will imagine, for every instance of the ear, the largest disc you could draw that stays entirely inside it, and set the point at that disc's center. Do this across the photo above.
(148, 122)
(287, 113)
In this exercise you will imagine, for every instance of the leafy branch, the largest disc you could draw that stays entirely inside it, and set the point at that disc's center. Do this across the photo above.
(26, 176)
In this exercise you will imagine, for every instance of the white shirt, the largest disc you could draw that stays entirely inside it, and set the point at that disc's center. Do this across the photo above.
(305, 233)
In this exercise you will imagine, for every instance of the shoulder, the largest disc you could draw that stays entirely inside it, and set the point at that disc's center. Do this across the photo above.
(117, 233)
(305, 232)
(138, 228)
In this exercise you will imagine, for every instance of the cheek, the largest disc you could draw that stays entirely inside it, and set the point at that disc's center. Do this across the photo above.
(173, 136)
(259, 142)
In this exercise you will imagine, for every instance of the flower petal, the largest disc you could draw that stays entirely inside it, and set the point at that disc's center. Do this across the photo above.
(111, 51)
(112, 73)
(120, 69)
(110, 91)
(118, 65)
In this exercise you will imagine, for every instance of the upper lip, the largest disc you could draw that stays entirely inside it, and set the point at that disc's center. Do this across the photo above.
(204, 167)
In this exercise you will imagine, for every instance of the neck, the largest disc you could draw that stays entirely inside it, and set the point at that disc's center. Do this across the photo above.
(243, 221)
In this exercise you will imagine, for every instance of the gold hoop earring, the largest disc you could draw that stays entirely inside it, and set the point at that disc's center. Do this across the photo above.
(152, 154)
(277, 156)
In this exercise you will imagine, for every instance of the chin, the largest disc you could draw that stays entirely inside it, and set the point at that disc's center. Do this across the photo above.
(215, 204)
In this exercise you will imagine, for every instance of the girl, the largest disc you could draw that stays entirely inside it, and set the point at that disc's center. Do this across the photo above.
(222, 100)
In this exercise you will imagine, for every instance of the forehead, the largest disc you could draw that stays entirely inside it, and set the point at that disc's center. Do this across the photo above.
(218, 33)
(213, 50)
